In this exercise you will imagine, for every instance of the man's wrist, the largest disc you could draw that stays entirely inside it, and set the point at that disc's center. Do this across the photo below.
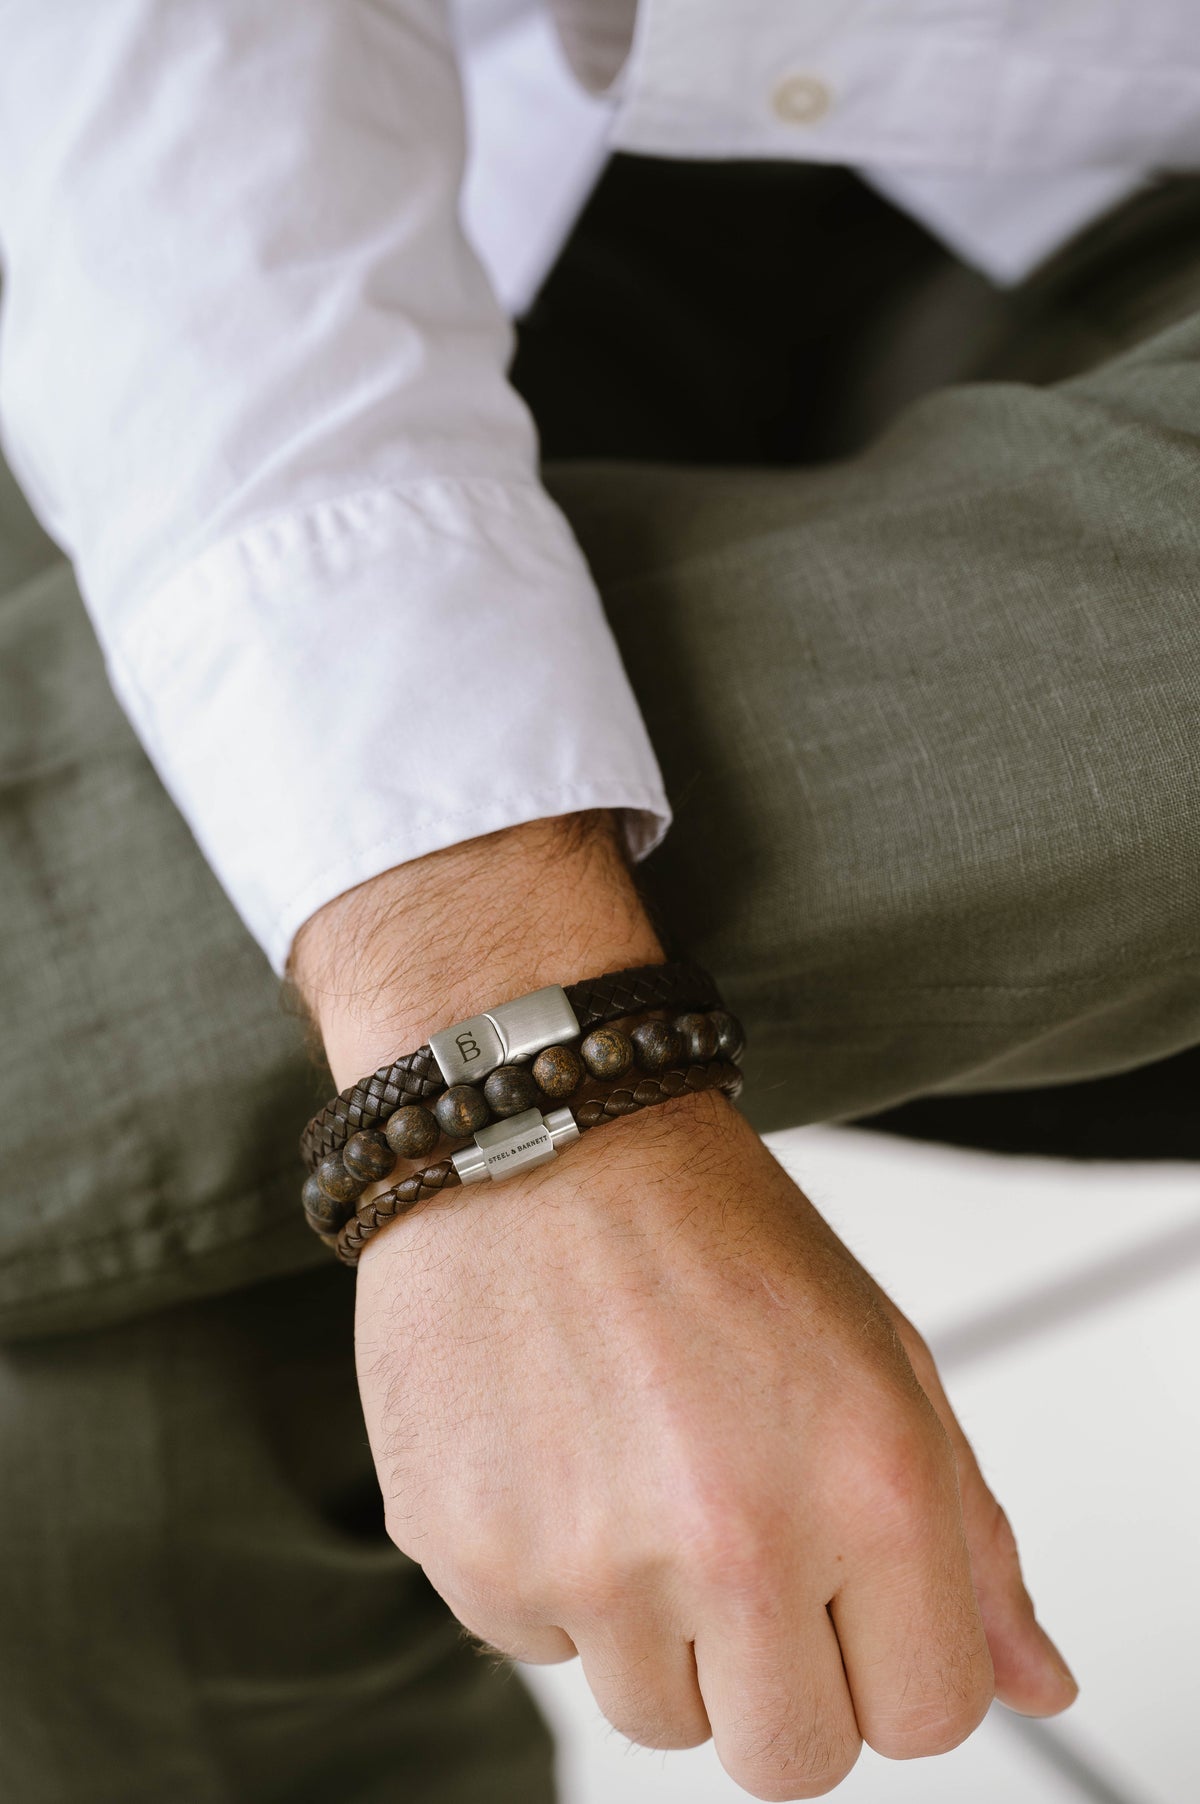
(428, 942)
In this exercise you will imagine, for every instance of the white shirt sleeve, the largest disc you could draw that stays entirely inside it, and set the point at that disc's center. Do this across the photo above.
(252, 380)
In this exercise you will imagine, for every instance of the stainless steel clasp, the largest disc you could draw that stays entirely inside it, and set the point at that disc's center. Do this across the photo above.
(512, 1030)
(504, 1148)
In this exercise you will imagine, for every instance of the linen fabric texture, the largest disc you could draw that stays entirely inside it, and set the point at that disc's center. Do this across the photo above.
(205, 1606)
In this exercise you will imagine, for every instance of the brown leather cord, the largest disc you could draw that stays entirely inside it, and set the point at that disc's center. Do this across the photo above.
(626, 1097)
(417, 1077)
(402, 1197)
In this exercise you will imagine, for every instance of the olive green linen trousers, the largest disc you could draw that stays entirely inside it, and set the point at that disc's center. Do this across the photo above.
(927, 714)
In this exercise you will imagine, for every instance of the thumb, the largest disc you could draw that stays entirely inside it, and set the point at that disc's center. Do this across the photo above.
(1031, 1675)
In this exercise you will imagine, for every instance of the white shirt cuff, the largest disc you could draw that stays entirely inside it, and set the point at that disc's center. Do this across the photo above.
(292, 690)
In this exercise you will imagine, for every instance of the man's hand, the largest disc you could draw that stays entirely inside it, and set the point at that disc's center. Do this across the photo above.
(642, 1404)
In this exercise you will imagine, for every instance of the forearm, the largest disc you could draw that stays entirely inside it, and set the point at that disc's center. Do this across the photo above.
(433, 940)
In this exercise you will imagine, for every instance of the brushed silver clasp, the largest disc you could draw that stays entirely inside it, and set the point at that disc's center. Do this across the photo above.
(466, 1052)
(504, 1148)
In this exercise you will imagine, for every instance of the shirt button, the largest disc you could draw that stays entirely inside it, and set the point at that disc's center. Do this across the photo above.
(801, 100)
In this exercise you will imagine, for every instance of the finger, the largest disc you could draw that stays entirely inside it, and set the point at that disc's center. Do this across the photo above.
(514, 1637)
(906, 1616)
(534, 1647)
(1030, 1673)
(643, 1676)
(773, 1684)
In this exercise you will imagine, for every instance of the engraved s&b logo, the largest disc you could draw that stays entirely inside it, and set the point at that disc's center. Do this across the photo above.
(468, 1046)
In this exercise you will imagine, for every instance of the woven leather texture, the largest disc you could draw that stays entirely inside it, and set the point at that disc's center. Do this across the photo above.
(416, 1076)
(624, 1098)
(413, 1077)
(389, 1204)
(598, 999)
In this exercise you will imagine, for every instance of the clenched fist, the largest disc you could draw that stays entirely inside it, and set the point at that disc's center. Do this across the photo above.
(644, 1405)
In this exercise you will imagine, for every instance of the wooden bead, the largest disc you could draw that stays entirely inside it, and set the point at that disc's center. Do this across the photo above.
(510, 1089)
(699, 1037)
(558, 1071)
(368, 1156)
(461, 1110)
(731, 1036)
(320, 1209)
(607, 1052)
(657, 1044)
(412, 1131)
(337, 1182)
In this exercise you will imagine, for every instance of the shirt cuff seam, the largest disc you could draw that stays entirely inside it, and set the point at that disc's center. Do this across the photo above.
(301, 511)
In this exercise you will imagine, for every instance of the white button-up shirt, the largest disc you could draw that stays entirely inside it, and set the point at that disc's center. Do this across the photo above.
(252, 364)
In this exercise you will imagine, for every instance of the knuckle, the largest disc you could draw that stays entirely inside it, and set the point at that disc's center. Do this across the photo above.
(785, 1787)
(654, 1705)
(669, 1737)
(790, 1761)
(940, 1723)
(916, 1348)
(1001, 1538)
(734, 1551)
(594, 1581)
(905, 1469)
(489, 1578)
(661, 1728)
(593, 1596)
(400, 1527)
(937, 1733)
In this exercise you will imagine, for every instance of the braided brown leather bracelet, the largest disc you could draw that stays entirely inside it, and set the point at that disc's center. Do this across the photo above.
(622, 1099)
(649, 1043)
(419, 1076)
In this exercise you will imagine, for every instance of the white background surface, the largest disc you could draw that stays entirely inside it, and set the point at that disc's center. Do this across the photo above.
(1063, 1303)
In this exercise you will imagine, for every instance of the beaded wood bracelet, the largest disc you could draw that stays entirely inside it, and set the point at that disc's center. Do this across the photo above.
(470, 1049)
(524, 1140)
(654, 1043)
